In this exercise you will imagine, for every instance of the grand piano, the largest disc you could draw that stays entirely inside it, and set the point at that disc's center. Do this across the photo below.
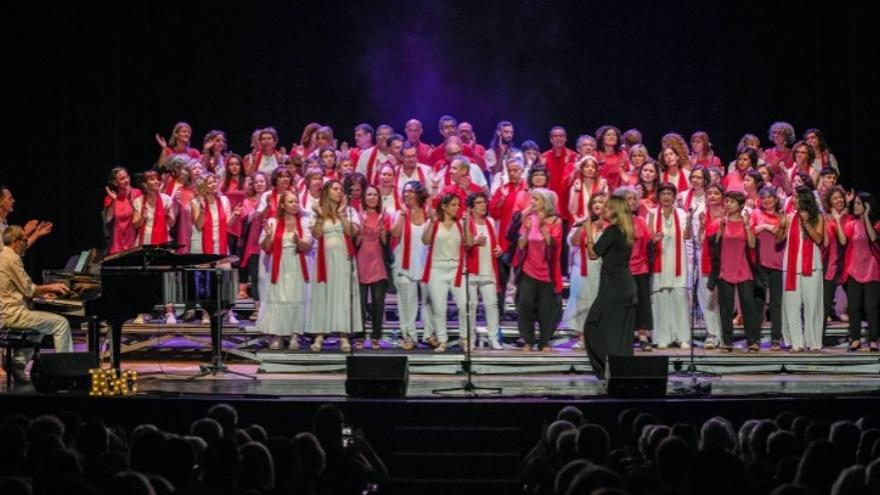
(136, 280)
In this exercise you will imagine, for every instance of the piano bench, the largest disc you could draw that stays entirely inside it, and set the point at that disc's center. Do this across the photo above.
(17, 338)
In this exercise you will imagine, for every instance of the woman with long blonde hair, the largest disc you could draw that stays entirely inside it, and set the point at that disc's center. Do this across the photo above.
(611, 322)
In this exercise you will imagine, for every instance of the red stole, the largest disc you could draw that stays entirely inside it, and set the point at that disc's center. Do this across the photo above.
(583, 247)
(580, 195)
(259, 158)
(658, 246)
(705, 254)
(272, 203)
(208, 229)
(461, 254)
(688, 200)
(276, 250)
(682, 185)
(170, 187)
(370, 163)
(407, 240)
(806, 248)
(474, 252)
(322, 257)
(159, 234)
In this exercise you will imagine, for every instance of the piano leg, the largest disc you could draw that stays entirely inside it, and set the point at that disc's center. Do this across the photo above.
(115, 344)
(94, 337)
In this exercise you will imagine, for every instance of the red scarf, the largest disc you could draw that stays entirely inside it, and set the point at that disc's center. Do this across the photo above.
(688, 199)
(259, 158)
(370, 163)
(794, 245)
(159, 234)
(419, 171)
(705, 251)
(583, 247)
(682, 180)
(208, 228)
(474, 251)
(658, 246)
(272, 204)
(170, 187)
(461, 254)
(322, 257)
(580, 195)
(276, 250)
(407, 240)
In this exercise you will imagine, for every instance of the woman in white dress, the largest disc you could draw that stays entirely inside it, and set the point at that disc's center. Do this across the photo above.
(284, 273)
(584, 275)
(409, 266)
(335, 303)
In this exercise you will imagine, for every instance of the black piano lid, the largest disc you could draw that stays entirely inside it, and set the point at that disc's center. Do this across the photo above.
(156, 256)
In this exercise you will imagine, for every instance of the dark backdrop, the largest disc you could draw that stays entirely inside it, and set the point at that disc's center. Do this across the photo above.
(88, 86)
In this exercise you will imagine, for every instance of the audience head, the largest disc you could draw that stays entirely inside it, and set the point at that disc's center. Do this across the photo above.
(592, 443)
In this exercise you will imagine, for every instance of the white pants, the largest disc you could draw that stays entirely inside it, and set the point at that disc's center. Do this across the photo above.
(442, 280)
(708, 300)
(669, 306)
(45, 323)
(808, 296)
(485, 286)
(408, 307)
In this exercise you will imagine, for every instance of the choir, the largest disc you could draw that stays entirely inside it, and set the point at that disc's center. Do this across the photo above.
(324, 232)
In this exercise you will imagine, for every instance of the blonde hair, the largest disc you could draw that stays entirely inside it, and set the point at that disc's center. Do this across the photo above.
(621, 216)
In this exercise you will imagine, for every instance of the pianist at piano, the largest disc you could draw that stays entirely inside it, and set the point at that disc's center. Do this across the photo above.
(16, 288)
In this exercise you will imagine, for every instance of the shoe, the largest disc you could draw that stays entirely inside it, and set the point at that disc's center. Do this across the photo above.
(441, 347)
(710, 343)
(242, 294)
(546, 348)
(463, 343)
(231, 319)
(408, 345)
(725, 348)
(754, 348)
(432, 341)
(317, 343)
(498, 347)
(206, 318)
(796, 350)
(254, 315)
(774, 346)
(275, 344)
(814, 349)
(138, 320)
(645, 344)
(170, 319)
(662, 346)
(527, 348)
(293, 345)
(344, 344)
(578, 346)
(874, 347)
(738, 321)
(684, 346)
(854, 346)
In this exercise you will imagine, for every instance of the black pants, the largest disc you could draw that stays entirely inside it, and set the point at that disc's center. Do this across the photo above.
(863, 298)
(774, 288)
(253, 275)
(376, 292)
(504, 275)
(644, 316)
(537, 302)
(746, 292)
(829, 287)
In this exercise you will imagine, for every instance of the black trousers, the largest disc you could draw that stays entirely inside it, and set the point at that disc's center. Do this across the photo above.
(536, 302)
(253, 275)
(829, 287)
(774, 288)
(504, 274)
(746, 292)
(863, 298)
(376, 292)
(644, 315)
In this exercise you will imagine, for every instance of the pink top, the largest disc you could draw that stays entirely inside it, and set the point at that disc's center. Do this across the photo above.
(124, 233)
(536, 250)
(609, 168)
(370, 259)
(638, 261)
(832, 253)
(252, 245)
(769, 250)
(863, 265)
(236, 197)
(734, 265)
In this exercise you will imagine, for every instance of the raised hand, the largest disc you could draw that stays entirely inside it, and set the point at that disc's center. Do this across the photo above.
(805, 216)
(111, 193)
(43, 228)
(30, 227)
(161, 141)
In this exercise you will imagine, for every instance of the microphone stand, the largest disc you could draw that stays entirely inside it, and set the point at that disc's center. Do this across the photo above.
(694, 387)
(353, 280)
(468, 387)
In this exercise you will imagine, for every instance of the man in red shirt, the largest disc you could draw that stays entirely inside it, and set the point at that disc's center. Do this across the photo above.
(469, 139)
(414, 131)
(448, 128)
(442, 168)
(501, 208)
(560, 164)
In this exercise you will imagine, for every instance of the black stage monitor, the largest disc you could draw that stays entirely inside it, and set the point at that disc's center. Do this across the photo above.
(376, 376)
(63, 371)
(634, 377)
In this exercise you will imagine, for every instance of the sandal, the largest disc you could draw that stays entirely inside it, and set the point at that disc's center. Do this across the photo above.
(407, 345)
(725, 348)
(317, 343)
(754, 348)
(774, 346)
(854, 346)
